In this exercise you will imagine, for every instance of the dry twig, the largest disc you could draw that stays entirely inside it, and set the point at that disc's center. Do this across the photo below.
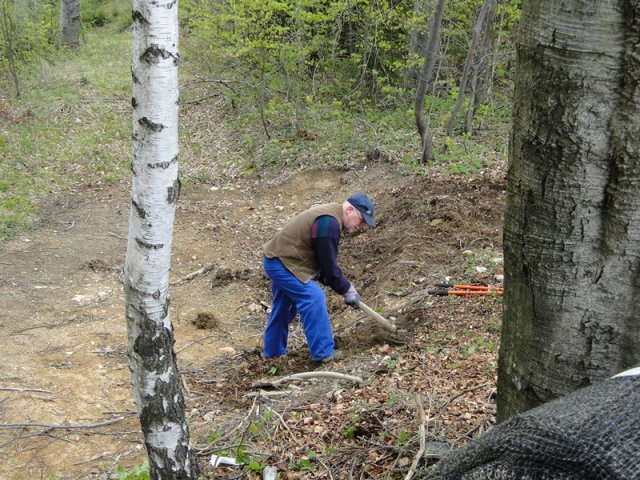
(192, 275)
(11, 389)
(421, 437)
(49, 426)
(306, 375)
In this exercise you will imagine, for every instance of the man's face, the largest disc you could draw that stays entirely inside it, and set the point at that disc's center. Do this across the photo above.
(353, 219)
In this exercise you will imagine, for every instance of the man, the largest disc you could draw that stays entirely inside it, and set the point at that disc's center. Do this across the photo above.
(306, 249)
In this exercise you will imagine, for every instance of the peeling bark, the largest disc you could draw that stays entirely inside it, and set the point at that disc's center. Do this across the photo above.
(572, 222)
(155, 191)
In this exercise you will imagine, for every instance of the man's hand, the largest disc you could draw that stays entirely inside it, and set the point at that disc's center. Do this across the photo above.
(352, 298)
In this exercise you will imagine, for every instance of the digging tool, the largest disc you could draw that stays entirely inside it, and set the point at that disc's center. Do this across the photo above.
(386, 324)
(444, 289)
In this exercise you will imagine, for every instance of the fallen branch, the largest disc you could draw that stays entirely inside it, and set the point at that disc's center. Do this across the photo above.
(196, 341)
(192, 275)
(448, 402)
(421, 437)
(307, 375)
(11, 389)
(284, 424)
(268, 394)
(60, 427)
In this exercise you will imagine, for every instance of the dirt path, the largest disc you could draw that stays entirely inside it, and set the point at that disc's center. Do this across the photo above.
(62, 310)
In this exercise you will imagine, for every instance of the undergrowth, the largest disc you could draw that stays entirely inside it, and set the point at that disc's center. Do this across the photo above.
(72, 128)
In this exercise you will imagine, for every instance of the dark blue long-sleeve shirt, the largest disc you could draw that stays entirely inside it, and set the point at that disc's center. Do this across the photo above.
(325, 236)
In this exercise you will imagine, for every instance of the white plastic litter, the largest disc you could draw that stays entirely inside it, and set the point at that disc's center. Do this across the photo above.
(218, 460)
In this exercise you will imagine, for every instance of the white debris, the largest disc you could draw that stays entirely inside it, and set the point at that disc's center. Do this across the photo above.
(218, 460)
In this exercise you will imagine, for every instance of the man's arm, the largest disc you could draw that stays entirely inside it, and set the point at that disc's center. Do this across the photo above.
(325, 235)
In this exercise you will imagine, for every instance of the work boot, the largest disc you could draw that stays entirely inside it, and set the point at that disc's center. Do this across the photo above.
(336, 355)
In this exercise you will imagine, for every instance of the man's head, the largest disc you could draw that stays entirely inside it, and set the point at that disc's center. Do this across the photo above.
(358, 209)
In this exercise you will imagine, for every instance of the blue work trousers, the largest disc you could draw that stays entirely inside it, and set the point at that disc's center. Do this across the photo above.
(291, 296)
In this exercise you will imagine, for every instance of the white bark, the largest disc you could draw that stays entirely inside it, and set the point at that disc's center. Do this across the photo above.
(155, 191)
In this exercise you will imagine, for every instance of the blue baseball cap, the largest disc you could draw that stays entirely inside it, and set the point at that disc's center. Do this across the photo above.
(365, 206)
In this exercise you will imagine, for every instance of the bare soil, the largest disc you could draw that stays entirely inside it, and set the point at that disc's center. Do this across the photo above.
(66, 406)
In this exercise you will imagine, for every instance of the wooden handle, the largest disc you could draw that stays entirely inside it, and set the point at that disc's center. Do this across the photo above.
(388, 325)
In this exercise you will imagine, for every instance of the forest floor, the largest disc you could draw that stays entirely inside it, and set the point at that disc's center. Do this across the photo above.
(66, 405)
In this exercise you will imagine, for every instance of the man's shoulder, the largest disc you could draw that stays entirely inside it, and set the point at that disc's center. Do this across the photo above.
(326, 226)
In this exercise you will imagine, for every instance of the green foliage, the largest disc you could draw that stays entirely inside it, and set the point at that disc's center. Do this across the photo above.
(98, 13)
(50, 138)
(403, 438)
(350, 432)
(27, 34)
(214, 436)
(307, 463)
(139, 472)
(393, 398)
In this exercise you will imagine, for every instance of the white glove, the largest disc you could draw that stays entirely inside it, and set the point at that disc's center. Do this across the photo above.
(352, 298)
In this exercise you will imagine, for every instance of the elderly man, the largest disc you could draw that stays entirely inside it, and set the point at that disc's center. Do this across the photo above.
(306, 249)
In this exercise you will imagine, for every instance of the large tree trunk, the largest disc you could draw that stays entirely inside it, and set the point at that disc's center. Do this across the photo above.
(155, 191)
(70, 23)
(427, 72)
(572, 223)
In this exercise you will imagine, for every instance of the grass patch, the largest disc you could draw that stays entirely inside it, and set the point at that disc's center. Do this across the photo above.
(71, 125)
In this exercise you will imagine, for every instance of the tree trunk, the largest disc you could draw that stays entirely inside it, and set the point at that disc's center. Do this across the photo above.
(70, 23)
(477, 30)
(494, 57)
(480, 84)
(417, 39)
(429, 59)
(155, 191)
(572, 222)
(9, 34)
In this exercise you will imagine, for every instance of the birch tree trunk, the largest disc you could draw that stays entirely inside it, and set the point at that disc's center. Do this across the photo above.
(427, 72)
(70, 23)
(572, 222)
(155, 191)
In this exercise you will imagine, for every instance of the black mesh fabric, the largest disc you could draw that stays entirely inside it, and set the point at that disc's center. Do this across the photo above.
(592, 433)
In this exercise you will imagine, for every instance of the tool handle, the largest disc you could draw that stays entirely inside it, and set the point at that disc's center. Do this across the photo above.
(377, 317)
(438, 291)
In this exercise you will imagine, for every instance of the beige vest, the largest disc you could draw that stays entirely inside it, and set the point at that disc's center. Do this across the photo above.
(292, 245)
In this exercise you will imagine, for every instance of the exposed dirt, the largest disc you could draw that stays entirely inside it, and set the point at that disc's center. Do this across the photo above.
(64, 356)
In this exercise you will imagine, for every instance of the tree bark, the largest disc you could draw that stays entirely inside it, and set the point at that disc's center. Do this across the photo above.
(572, 222)
(70, 23)
(9, 32)
(155, 191)
(422, 10)
(480, 84)
(429, 59)
(477, 31)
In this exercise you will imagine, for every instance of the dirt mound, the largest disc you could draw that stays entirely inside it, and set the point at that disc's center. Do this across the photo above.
(65, 396)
